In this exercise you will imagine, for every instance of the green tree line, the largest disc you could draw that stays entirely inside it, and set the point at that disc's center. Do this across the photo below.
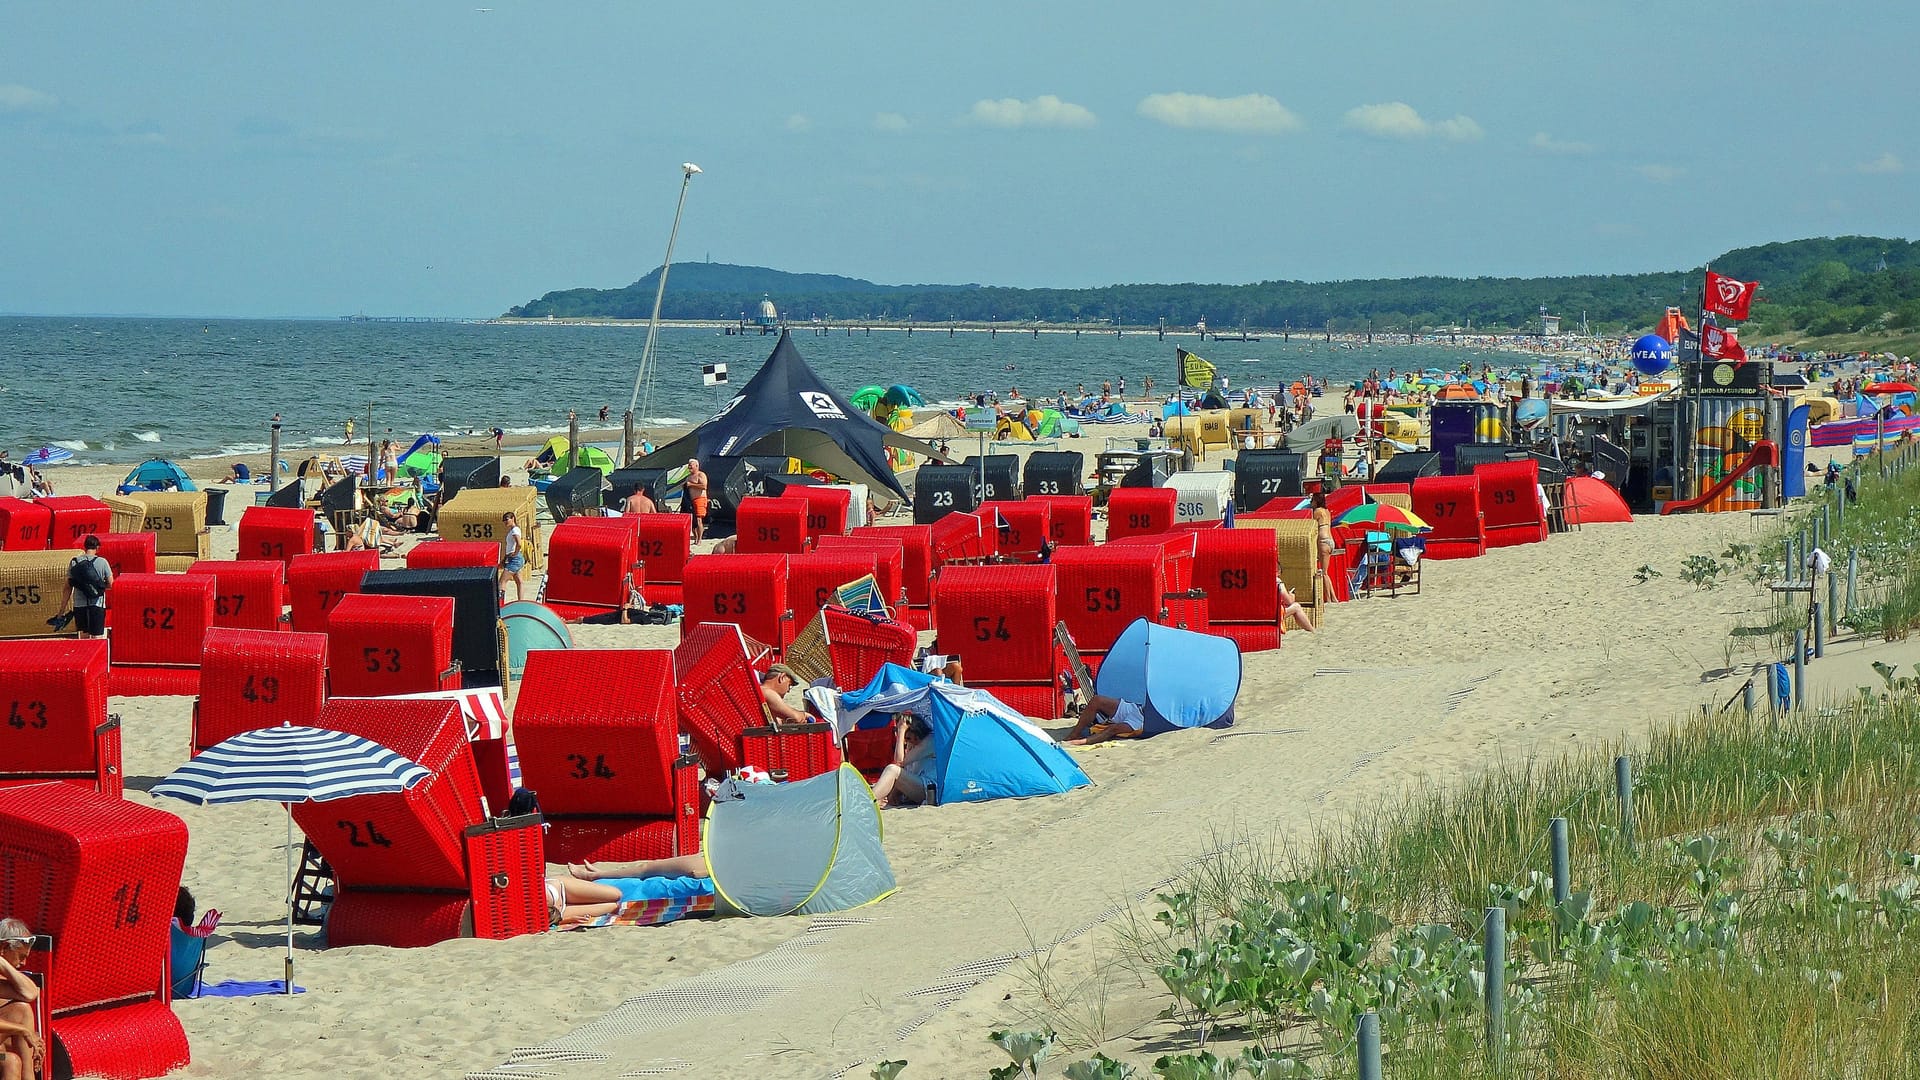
(1818, 286)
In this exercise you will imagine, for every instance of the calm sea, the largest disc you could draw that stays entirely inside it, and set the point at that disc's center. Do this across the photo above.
(117, 390)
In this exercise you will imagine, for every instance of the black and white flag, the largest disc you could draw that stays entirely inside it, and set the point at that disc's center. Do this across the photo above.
(714, 374)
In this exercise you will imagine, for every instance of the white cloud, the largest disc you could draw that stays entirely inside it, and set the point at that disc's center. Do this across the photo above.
(1885, 163)
(1461, 128)
(17, 98)
(799, 122)
(890, 121)
(1399, 120)
(1393, 120)
(1248, 114)
(1045, 111)
(1661, 174)
(1547, 144)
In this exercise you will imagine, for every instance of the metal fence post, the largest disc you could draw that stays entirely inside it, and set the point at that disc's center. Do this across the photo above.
(1799, 669)
(1853, 575)
(1819, 632)
(1623, 789)
(1833, 603)
(1494, 954)
(1557, 835)
(1369, 1045)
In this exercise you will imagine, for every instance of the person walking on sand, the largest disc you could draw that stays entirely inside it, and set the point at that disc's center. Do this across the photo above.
(88, 578)
(697, 501)
(349, 429)
(513, 557)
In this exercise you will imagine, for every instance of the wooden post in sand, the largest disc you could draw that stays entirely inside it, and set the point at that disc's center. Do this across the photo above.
(626, 439)
(273, 457)
(1853, 574)
(1833, 603)
(1819, 632)
(1747, 693)
(573, 441)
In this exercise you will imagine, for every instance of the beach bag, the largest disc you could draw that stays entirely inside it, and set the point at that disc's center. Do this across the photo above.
(88, 577)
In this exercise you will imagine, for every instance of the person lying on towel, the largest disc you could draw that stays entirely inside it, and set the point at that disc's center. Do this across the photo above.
(593, 889)
(1103, 718)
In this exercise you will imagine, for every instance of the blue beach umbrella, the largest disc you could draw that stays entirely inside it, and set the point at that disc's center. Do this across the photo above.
(290, 764)
(48, 455)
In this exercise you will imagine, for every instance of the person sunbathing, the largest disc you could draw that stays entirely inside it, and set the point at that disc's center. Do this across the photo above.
(1103, 718)
(21, 1049)
(590, 890)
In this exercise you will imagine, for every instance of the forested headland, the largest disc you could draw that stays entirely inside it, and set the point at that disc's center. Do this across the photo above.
(1825, 287)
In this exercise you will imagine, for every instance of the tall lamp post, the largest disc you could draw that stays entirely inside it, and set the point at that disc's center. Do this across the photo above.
(644, 377)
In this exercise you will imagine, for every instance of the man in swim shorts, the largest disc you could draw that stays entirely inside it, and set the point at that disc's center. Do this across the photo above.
(696, 488)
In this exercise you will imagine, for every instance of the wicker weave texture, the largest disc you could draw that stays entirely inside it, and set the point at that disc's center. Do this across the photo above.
(176, 518)
(717, 693)
(135, 1040)
(129, 553)
(1069, 518)
(1451, 504)
(812, 579)
(53, 701)
(665, 544)
(507, 879)
(889, 565)
(76, 517)
(1239, 569)
(275, 532)
(999, 619)
(963, 538)
(916, 557)
(447, 554)
(590, 564)
(1140, 511)
(252, 679)
(24, 526)
(597, 731)
(827, 508)
(1024, 526)
(1041, 700)
(768, 526)
(857, 647)
(31, 584)
(251, 593)
(410, 839)
(160, 618)
(1104, 589)
(799, 751)
(98, 873)
(381, 645)
(750, 590)
(398, 920)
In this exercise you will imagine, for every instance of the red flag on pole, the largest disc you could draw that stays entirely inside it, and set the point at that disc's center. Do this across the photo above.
(1727, 296)
(1719, 343)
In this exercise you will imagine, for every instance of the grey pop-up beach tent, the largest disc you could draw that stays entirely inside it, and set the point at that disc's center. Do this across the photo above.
(805, 848)
(785, 410)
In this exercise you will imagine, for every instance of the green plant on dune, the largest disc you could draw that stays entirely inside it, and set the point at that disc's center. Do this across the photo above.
(1645, 574)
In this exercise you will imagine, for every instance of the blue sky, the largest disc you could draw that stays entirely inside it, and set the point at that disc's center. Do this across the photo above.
(436, 158)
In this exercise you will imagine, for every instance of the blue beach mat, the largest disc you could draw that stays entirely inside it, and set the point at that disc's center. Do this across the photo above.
(236, 988)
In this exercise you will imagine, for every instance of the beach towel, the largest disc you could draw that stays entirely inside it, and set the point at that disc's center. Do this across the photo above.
(238, 988)
(656, 902)
(1782, 687)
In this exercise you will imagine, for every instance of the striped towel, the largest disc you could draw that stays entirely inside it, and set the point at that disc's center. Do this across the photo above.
(652, 912)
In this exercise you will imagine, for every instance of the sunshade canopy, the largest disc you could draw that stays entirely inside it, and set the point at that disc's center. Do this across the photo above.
(785, 410)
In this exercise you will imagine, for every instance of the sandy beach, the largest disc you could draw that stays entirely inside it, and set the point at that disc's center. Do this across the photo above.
(1517, 654)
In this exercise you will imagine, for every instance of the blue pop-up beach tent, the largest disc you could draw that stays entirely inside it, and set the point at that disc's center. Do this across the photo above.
(1179, 679)
(982, 749)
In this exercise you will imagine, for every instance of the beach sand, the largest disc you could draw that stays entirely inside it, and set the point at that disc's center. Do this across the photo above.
(1526, 651)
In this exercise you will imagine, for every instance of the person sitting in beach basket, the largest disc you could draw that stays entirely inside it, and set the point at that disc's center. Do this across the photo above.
(1103, 718)
(775, 685)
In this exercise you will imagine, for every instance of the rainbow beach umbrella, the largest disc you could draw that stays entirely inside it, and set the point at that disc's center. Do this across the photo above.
(1384, 516)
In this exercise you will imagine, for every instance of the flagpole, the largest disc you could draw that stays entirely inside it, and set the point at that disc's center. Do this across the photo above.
(645, 374)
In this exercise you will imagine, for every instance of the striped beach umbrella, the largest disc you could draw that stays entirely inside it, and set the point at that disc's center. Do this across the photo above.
(290, 764)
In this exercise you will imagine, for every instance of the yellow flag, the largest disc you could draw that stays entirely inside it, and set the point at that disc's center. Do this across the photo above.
(1194, 371)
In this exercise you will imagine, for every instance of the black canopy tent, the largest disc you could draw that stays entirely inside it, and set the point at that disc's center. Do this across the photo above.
(786, 410)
